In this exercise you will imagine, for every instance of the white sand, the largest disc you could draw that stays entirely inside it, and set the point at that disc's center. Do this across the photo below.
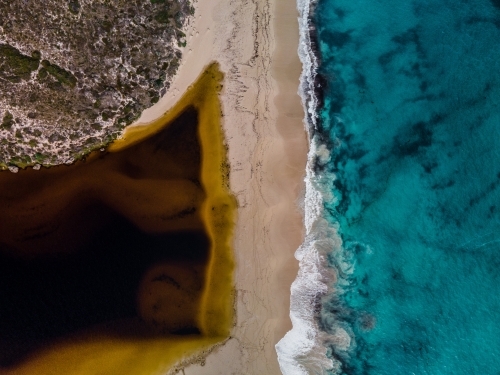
(255, 43)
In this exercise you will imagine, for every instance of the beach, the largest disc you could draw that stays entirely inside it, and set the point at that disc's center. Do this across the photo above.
(169, 249)
(393, 195)
(255, 44)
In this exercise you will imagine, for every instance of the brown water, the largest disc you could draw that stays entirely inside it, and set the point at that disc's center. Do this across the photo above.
(121, 264)
(76, 242)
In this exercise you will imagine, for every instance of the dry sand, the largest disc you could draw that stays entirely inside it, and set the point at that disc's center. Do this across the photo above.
(255, 43)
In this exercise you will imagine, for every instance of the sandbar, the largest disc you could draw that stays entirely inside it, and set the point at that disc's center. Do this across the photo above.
(255, 43)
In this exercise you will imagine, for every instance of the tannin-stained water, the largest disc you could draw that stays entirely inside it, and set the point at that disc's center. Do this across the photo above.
(117, 238)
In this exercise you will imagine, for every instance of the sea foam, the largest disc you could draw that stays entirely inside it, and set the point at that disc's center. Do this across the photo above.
(303, 349)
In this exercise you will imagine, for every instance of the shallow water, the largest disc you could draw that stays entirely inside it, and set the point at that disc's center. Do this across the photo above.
(412, 119)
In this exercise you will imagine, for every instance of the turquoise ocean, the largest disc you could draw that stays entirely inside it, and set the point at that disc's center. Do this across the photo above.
(403, 103)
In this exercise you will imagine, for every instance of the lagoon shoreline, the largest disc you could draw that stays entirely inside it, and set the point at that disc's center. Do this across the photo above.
(255, 43)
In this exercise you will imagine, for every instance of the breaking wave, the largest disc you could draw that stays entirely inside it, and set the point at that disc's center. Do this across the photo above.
(303, 350)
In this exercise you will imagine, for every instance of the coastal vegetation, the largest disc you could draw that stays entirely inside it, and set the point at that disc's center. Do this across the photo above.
(74, 74)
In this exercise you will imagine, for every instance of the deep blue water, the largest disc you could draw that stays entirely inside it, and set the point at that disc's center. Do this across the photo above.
(412, 115)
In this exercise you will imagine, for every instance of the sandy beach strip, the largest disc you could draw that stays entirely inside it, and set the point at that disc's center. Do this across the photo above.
(255, 43)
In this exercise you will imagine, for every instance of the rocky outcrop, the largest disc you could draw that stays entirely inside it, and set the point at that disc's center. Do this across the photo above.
(74, 73)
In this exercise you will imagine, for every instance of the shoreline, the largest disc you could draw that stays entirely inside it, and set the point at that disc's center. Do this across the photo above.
(255, 44)
(304, 348)
(108, 345)
(196, 56)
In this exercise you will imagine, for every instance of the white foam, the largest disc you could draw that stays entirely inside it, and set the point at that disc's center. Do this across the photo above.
(303, 349)
(309, 62)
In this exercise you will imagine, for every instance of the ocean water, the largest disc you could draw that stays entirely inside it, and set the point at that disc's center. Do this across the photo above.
(401, 263)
